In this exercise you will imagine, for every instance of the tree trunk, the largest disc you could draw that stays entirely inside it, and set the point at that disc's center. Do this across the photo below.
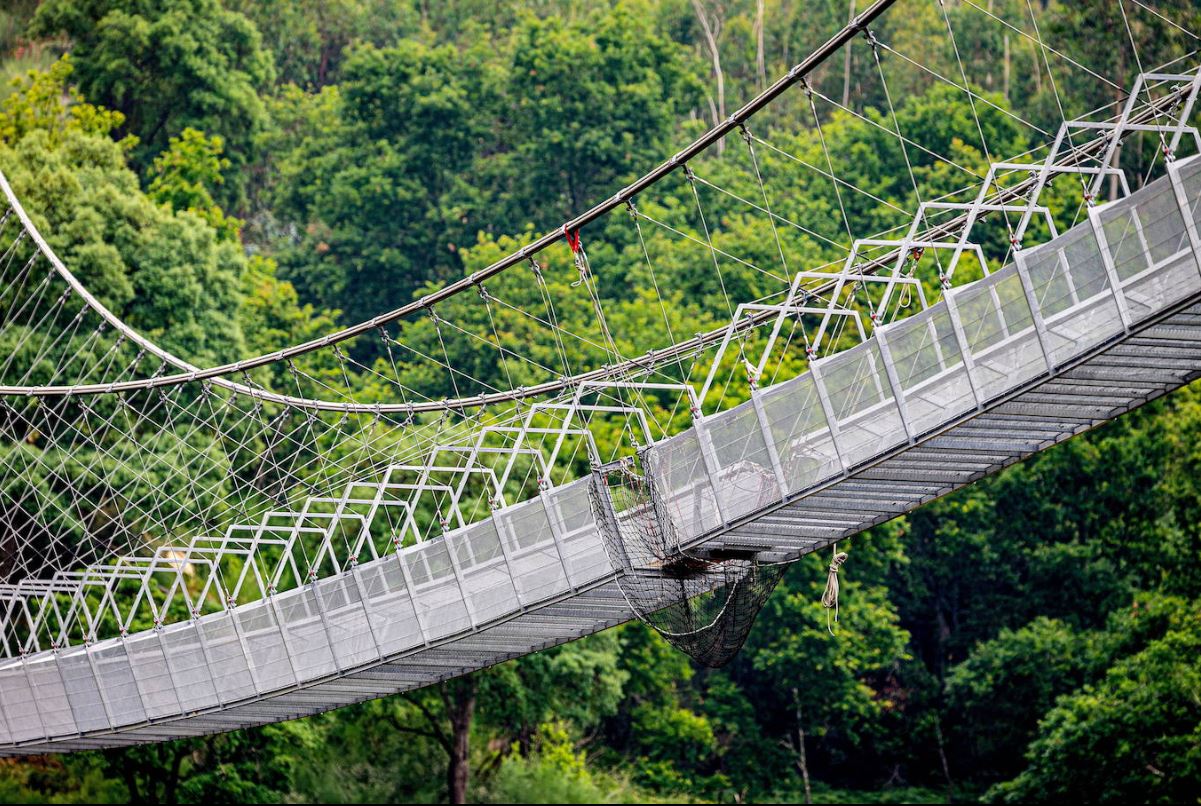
(460, 709)
(846, 61)
(1119, 100)
(942, 757)
(760, 57)
(1005, 74)
(711, 31)
(172, 788)
(802, 762)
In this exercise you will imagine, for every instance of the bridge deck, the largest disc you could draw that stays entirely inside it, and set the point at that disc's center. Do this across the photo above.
(1097, 322)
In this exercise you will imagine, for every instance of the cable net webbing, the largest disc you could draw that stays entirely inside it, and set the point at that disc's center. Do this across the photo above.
(704, 606)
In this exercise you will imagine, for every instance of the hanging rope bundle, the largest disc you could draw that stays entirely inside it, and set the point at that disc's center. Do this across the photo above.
(830, 597)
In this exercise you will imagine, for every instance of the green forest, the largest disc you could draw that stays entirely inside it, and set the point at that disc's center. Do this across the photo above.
(235, 175)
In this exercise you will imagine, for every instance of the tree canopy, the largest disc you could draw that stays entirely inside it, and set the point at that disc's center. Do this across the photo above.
(230, 177)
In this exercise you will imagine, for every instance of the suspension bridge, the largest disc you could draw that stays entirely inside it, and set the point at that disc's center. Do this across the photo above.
(187, 550)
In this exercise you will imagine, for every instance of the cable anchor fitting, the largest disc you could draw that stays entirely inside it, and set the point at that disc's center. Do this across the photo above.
(752, 374)
(577, 252)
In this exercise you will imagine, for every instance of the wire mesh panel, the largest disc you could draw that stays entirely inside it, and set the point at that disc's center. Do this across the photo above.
(930, 369)
(115, 676)
(389, 607)
(153, 677)
(486, 578)
(305, 637)
(436, 593)
(79, 681)
(869, 421)
(746, 480)
(346, 621)
(20, 708)
(231, 670)
(189, 667)
(999, 331)
(537, 572)
(1151, 253)
(1072, 291)
(798, 426)
(53, 706)
(682, 482)
(574, 523)
(265, 648)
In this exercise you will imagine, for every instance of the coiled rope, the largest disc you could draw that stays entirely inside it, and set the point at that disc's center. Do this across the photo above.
(830, 597)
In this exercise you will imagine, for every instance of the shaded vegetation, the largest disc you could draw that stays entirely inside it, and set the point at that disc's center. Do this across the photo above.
(233, 176)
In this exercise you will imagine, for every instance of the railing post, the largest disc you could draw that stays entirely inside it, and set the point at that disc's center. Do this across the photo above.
(365, 603)
(1036, 315)
(1115, 283)
(412, 591)
(24, 661)
(965, 350)
(557, 536)
(162, 645)
(774, 455)
(458, 572)
(237, 626)
(209, 664)
(108, 712)
(894, 381)
(282, 626)
(709, 457)
(1186, 212)
(828, 410)
(315, 587)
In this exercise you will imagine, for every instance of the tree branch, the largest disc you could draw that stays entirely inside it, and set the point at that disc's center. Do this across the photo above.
(436, 731)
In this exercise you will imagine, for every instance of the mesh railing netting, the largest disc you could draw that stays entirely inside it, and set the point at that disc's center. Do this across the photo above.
(704, 605)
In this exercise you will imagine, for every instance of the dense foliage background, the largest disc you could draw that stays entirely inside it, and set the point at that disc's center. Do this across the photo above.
(232, 175)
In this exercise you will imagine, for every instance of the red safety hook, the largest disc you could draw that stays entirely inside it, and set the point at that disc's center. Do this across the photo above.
(573, 239)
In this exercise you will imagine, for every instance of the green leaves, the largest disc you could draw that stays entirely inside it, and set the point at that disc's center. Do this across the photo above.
(1135, 735)
(169, 65)
(42, 101)
(186, 175)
